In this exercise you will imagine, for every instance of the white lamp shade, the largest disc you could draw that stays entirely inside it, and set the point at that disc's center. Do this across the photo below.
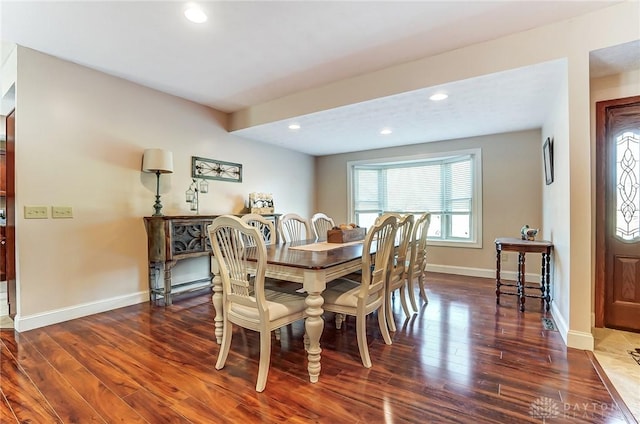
(157, 160)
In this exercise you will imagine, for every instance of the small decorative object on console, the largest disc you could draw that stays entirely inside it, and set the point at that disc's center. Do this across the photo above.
(261, 203)
(527, 233)
(345, 233)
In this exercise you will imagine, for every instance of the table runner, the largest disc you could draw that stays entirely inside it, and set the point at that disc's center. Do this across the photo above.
(323, 246)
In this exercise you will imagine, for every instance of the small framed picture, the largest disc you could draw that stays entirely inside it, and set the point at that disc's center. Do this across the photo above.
(547, 151)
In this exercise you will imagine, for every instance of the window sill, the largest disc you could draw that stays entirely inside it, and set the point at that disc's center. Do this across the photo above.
(458, 244)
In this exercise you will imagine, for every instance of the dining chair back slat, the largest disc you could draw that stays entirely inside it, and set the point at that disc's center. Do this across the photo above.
(321, 223)
(264, 226)
(293, 227)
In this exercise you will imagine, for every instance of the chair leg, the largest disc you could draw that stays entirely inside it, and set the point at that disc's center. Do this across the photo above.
(361, 332)
(412, 294)
(391, 322)
(339, 321)
(278, 333)
(423, 293)
(227, 333)
(403, 301)
(382, 323)
(265, 358)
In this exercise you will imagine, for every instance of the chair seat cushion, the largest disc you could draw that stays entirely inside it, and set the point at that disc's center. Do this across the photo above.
(279, 305)
(342, 292)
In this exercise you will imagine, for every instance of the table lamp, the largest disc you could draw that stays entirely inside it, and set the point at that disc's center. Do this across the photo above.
(159, 161)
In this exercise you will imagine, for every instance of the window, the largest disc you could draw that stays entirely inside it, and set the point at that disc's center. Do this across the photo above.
(627, 185)
(446, 184)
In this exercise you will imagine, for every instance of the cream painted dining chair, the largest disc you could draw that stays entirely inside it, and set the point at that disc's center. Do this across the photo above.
(293, 227)
(418, 258)
(264, 226)
(246, 302)
(267, 230)
(396, 278)
(360, 299)
(321, 223)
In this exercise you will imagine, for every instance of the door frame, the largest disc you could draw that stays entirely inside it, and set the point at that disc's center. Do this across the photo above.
(602, 167)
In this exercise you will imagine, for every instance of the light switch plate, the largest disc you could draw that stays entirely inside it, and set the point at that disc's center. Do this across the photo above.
(61, 212)
(36, 212)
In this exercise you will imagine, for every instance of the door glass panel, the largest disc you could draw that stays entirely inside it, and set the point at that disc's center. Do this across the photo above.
(628, 186)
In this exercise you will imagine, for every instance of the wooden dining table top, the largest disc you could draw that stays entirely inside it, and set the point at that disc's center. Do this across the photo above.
(286, 255)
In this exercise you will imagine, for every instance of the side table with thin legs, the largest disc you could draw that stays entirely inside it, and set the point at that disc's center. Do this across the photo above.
(506, 244)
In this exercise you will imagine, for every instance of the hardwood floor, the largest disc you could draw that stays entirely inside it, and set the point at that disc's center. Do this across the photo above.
(461, 359)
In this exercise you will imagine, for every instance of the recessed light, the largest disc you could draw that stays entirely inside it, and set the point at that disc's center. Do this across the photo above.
(294, 126)
(438, 96)
(386, 131)
(195, 14)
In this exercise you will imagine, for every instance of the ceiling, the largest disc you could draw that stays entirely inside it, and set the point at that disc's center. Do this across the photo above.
(251, 52)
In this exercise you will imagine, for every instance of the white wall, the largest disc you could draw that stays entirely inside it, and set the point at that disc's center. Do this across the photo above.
(556, 205)
(80, 135)
(512, 176)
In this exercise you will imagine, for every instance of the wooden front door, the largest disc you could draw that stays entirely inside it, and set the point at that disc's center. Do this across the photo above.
(618, 214)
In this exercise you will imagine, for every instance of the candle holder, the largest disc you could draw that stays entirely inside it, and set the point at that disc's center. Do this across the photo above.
(192, 195)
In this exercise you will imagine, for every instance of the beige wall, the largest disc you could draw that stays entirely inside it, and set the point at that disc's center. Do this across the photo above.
(512, 176)
(571, 198)
(80, 135)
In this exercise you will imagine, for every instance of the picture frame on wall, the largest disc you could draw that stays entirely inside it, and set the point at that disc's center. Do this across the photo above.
(547, 153)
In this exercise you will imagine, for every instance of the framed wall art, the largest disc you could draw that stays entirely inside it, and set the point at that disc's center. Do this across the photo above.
(547, 153)
(212, 169)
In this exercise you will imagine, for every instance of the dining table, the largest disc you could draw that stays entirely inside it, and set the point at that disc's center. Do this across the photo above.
(312, 263)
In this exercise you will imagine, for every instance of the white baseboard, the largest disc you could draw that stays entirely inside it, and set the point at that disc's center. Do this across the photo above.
(560, 322)
(29, 322)
(580, 340)
(575, 339)
(479, 272)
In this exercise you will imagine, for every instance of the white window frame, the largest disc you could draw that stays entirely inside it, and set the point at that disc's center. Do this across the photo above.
(475, 240)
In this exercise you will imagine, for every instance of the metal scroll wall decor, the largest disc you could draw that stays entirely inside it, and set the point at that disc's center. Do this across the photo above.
(212, 169)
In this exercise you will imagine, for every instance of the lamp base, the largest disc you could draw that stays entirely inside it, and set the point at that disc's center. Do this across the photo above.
(157, 206)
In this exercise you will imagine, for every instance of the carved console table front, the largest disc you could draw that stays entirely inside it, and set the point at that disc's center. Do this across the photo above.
(173, 238)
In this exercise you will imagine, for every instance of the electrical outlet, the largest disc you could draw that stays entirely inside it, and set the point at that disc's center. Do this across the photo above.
(35, 212)
(61, 212)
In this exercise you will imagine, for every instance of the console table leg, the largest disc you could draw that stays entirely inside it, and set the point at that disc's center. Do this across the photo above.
(547, 279)
(153, 273)
(498, 260)
(167, 283)
(543, 282)
(521, 280)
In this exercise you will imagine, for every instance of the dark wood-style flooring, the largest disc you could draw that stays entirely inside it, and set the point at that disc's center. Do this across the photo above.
(461, 359)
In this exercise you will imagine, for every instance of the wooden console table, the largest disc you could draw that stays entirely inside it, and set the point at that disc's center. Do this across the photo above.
(525, 246)
(173, 238)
